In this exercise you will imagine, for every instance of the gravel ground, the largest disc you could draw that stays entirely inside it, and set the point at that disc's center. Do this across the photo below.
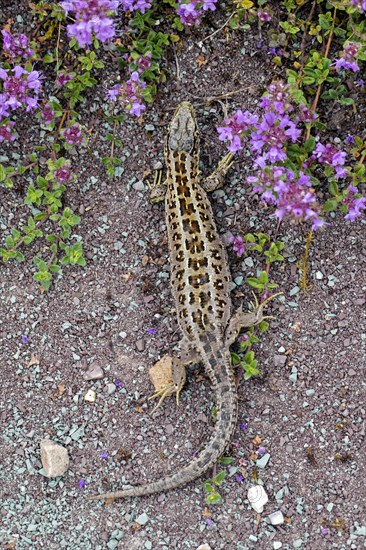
(307, 409)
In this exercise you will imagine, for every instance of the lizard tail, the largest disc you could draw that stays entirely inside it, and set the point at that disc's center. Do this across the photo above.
(218, 367)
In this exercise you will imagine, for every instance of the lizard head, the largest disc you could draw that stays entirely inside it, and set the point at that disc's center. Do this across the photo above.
(183, 131)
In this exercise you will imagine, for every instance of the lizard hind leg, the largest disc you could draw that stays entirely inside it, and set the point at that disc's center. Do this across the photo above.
(169, 374)
(168, 377)
(242, 319)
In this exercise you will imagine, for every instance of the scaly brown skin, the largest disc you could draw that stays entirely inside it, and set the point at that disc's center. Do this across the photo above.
(200, 281)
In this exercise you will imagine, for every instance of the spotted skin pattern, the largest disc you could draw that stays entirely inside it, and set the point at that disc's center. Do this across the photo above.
(200, 281)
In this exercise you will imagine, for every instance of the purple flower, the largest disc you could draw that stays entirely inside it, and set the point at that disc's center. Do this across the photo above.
(63, 174)
(355, 204)
(239, 478)
(359, 4)
(190, 13)
(323, 530)
(92, 17)
(243, 426)
(6, 133)
(152, 330)
(349, 58)
(16, 46)
(25, 339)
(118, 383)
(144, 62)
(238, 245)
(360, 83)
(47, 114)
(134, 5)
(73, 134)
(261, 451)
(330, 155)
(17, 85)
(235, 127)
(63, 79)
(129, 94)
(350, 140)
(104, 454)
(209, 522)
(81, 483)
(264, 16)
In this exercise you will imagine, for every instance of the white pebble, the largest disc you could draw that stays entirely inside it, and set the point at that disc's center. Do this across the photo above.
(257, 497)
(276, 518)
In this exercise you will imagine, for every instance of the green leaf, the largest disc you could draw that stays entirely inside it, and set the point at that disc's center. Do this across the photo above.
(219, 478)
(263, 326)
(333, 188)
(330, 205)
(213, 498)
(2, 173)
(225, 460)
(9, 183)
(235, 359)
(309, 144)
(208, 487)
(255, 283)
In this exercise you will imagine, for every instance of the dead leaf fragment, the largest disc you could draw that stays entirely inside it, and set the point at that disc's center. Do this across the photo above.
(33, 361)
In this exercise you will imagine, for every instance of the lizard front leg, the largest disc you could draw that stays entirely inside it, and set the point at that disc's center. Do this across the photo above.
(158, 187)
(216, 179)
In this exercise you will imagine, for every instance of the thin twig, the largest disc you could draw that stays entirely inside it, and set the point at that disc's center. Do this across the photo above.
(218, 30)
(320, 87)
(176, 63)
(57, 47)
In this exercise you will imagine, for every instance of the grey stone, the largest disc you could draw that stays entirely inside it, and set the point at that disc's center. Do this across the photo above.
(54, 457)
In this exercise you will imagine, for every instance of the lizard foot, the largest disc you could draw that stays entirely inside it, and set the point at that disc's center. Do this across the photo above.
(168, 377)
(157, 188)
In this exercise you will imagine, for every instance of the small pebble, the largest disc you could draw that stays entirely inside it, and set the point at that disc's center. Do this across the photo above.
(277, 544)
(54, 457)
(257, 497)
(142, 519)
(279, 360)
(90, 396)
(111, 388)
(276, 518)
(140, 345)
(262, 462)
(204, 547)
(94, 372)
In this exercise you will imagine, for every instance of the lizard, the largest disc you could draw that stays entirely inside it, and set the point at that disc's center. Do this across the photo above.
(200, 282)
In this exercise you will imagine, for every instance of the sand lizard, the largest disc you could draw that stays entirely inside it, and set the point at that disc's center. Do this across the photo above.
(200, 279)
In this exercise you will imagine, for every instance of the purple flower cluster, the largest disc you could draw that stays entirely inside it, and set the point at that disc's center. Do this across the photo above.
(63, 79)
(359, 4)
(133, 5)
(72, 134)
(92, 18)
(5, 131)
(63, 174)
(354, 204)
(292, 195)
(239, 246)
(329, 155)
(348, 59)
(16, 46)
(264, 16)
(47, 114)
(190, 12)
(267, 137)
(130, 93)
